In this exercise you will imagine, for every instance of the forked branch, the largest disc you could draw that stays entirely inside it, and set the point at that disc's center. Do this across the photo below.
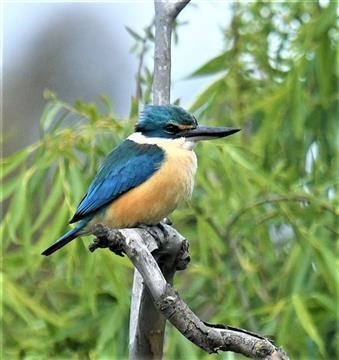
(137, 244)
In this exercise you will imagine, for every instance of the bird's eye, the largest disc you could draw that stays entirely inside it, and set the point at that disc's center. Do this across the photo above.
(171, 128)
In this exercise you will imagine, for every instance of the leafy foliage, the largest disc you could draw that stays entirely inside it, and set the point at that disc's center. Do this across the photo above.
(262, 222)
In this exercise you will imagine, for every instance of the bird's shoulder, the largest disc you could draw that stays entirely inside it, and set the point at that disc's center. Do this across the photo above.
(126, 167)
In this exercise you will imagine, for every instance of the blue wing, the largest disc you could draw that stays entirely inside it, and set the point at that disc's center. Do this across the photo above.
(126, 167)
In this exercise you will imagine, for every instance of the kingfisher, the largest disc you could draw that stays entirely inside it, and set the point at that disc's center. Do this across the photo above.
(147, 176)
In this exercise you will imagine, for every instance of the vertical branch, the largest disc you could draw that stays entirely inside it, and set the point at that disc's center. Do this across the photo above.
(165, 14)
(162, 55)
(147, 324)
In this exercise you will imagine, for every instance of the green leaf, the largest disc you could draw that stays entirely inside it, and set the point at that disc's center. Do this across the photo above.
(306, 322)
(23, 300)
(8, 188)
(48, 116)
(13, 162)
(207, 96)
(17, 209)
(106, 101)
(134, 34)
(214, 66)
(49, 206)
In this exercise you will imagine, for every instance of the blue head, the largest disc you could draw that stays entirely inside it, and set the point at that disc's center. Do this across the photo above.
(172, 122)
(165, 121)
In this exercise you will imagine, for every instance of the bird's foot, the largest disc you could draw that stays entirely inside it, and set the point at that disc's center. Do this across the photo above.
(162, 228)
(153, 230)
(183, 258)
(107, 238)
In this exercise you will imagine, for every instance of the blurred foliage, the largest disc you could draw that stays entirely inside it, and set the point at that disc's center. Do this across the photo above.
(262, 222)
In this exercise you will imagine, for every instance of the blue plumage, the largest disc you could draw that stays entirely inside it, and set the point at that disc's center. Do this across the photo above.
(126, 167)
(157, 120)
(131, 164)
(66, 238)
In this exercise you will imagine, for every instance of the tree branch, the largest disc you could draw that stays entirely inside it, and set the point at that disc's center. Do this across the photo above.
(137, 244)
(147, 325)
(165, 13)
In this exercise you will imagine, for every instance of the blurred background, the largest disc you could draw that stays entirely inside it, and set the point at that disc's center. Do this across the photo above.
(82, 50)
(263, 219)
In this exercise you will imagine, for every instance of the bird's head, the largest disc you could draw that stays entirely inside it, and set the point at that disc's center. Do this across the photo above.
(172, 122)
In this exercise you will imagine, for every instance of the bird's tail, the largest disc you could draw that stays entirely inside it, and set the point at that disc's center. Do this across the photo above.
(65, 239)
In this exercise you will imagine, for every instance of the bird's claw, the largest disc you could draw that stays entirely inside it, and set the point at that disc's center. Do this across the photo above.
(183, 257)
(107, 238)
(151, 229)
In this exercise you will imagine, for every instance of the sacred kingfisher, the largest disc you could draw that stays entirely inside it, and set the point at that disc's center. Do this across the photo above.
(144, 178)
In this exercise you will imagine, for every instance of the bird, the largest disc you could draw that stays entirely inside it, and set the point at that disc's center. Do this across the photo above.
(147, 176)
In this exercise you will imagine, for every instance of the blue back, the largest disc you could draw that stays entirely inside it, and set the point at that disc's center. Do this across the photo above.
(126, 167)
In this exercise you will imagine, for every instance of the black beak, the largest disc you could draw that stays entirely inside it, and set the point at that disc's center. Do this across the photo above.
(208, 132)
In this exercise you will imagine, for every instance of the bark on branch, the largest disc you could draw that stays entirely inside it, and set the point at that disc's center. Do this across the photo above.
(138, 244)
(147, 325)
(165, 13)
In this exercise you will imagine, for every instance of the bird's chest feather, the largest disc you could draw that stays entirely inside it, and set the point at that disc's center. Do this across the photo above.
(176, 175)
(158, 196)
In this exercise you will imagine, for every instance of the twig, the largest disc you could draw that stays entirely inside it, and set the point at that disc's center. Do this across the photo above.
(211, 338)
(143, 51)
